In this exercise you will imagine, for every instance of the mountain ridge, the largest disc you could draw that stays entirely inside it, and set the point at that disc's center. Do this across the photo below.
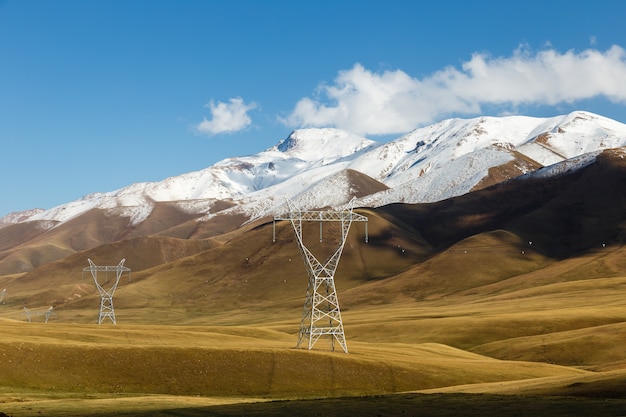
(467, 149)
(435, 163)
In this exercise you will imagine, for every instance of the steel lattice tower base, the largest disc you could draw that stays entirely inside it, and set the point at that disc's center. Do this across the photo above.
(321, 315)
(106, 303)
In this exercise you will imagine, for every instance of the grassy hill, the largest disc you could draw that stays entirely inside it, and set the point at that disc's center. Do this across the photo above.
(511, 293)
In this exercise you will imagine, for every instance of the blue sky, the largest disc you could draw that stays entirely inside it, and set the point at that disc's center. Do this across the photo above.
(96, 95)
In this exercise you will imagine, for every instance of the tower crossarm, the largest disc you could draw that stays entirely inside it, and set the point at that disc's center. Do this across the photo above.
(324, 216)
(106, 268)
(297, 216)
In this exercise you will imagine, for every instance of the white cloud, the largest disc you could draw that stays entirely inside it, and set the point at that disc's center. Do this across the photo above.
(366, 102)
(226, 117)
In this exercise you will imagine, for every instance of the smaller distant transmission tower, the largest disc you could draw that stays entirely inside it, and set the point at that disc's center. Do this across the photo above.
(2, 294)
(46, 314)
(321, 315)
(106, 303)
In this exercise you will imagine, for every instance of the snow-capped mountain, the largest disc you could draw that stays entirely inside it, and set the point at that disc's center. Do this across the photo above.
(19, 216)
(318, 168)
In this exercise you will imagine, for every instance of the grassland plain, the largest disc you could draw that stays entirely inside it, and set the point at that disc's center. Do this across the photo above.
(514, 351)
(545, 333)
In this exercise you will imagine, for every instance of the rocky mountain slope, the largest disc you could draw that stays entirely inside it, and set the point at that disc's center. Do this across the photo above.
(443, 160)
(316, 168)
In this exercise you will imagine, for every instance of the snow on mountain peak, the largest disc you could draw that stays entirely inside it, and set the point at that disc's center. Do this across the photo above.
(435, 162)
(325, 143)
(19, 216)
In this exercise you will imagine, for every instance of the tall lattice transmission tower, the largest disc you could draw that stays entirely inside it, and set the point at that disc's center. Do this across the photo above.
(106, 294)
(321, 315)
(2, 294)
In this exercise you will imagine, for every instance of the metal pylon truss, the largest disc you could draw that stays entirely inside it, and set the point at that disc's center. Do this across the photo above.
(106, 295)
(46, 314)
(321, 315)
(2, 294)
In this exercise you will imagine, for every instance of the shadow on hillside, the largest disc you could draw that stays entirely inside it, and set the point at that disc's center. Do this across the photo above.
(423, 405)
(562, 216)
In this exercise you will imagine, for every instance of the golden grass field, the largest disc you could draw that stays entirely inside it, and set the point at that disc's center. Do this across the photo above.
(533, 339)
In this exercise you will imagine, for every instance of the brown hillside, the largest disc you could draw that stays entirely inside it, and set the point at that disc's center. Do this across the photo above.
(561, 216)
(89, 230)
(163, 216)
(518, 166)
(62, 281)
(13, 235)
(363, 185)
(588, 213)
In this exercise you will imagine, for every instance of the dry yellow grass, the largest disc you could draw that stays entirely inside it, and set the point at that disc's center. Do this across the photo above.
(55, 366)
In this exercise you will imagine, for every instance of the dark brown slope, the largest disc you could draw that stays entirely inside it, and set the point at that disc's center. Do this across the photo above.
(89, 230)
(164, 216)
(13, 235)
(589, 213)
(512, 169)
(561, 216)
(519, 235)
(26, 246)
(363, 185)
